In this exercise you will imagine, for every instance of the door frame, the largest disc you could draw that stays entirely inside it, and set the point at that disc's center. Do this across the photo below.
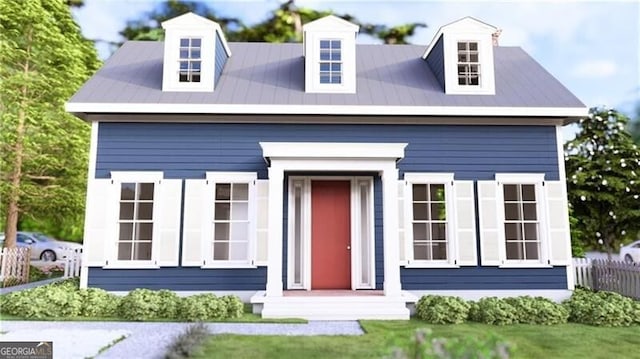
(304, 185)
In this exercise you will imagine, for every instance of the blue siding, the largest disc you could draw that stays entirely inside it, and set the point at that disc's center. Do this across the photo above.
(179, 279)
(436, 61)
(486, 278)
(188, 150)
(221, 58)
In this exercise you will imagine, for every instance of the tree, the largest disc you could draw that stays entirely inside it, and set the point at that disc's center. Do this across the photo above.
(634, 125)
(43, 60)
(284, 24)
(603, 180)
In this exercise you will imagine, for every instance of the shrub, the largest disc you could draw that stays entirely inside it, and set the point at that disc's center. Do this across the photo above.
(36, 274)
(235, 307)
(188, 343)
(602, 308)
(423, 346)
(144, 304)
(202, 307)
(98, 303)
(53, 300)
(442, 309)
(538, 310)
(492, 310)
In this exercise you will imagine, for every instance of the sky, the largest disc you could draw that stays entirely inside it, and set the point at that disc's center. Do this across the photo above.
(592, 47)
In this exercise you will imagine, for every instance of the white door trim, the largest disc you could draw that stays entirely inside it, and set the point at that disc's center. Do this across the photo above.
(356, 230)
(352, 158)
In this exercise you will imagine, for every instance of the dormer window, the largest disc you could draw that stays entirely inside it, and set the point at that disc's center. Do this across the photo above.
(329, 50)
(330, 61)
(468, 64)
(461, 57)
(195, 53)
(190, 59)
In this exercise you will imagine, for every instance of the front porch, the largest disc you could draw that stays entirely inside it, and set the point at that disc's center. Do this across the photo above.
(333, 305)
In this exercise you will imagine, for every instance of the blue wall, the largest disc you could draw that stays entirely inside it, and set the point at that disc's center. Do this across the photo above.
(188, 150)
(221, 58)
(436, 60)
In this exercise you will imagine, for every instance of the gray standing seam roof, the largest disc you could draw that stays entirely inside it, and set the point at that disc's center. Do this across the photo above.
(273, 74)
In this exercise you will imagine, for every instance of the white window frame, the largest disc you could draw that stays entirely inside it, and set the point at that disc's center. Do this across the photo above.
(118, 178)
(536, 179)
(190, 72)
(330, 62)
(486, 84)
(207, 241)
(430, 178)
(468, 52)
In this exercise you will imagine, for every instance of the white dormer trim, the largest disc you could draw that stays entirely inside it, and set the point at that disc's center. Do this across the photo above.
(330, 28)
(467, 29)
(191, 26)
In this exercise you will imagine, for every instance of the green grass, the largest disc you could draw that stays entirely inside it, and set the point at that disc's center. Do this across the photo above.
(531, 341)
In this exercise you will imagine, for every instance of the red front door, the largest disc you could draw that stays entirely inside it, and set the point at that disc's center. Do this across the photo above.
(330, 235)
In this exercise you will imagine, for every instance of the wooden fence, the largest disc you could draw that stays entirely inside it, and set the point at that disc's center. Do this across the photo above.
(14, 265)
(614, 276)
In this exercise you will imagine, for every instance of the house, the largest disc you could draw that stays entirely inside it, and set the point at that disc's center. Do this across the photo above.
(328, 179)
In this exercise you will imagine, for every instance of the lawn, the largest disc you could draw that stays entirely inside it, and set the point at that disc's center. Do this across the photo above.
(558, 341)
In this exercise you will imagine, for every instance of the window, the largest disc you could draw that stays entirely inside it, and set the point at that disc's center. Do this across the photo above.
(231, 223)
(521, 222)
(429, 222)
(330, 62)
(190, 59)
(468, 64)
(135, 221)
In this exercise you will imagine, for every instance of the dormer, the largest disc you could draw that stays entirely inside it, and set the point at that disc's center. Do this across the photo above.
(195, 51)
(329, 46)
(461, 57)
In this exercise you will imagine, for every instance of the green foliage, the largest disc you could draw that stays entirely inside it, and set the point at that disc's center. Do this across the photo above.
(602, 308)
(188, 343)
(202, 307)
(60, 299)
(46, 272)
(603, 169)
(437, 309)
(144, 304)
(283, 25)
(493, 310)
(44, 59)
(424, 346)
(97, 302)
(538, 310)
(234, 306)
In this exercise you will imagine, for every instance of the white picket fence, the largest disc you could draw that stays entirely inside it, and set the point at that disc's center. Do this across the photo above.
(14, 265)
(72, 263)
(614, 276)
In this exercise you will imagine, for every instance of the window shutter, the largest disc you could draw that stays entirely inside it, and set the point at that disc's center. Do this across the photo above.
(262, 219)
(465, 224)
(197, 209)
(100, 222)
(167, 222)
(558, 235)
(490, 230)
(401, 221)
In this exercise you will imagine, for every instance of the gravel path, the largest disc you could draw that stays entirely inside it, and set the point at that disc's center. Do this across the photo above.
(149, 340)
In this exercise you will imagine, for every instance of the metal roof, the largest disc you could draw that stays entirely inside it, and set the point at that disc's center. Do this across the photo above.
(273, 74)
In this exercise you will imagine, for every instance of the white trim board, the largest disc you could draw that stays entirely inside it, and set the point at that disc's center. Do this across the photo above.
(182, 108)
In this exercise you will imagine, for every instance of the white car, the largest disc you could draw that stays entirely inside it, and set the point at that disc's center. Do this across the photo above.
(43, 247)
(631, 252)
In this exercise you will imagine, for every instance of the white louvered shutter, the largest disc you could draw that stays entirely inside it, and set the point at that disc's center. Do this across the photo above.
(262, 221)
(558, 235)
(490, 230)
(197, 209)
(401, 221)
(465, 224)
(101, 222)
(166, 239)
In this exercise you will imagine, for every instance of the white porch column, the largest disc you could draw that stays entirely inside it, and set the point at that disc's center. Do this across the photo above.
(274, 269)
(392, 285)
